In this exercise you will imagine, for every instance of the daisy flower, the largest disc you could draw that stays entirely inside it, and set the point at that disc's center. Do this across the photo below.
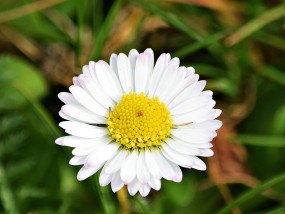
(138, 121)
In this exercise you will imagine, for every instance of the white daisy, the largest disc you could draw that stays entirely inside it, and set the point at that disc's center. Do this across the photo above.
(137, 121)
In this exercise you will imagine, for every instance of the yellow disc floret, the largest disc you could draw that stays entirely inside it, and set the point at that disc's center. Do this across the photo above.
(138, 122)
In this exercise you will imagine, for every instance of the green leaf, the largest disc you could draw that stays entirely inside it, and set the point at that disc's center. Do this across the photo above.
(260, 140)
(16, 73)
(274, 74)
(252, 193)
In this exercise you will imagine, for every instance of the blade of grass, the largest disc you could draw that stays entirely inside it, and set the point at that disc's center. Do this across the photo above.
(259, 140)
(27, 9)
(252, 193)
(208, 40)
(79, 17)
(274, 74)
(256, 24)
(270, 39)
(169, 18)
(7, 196)
(104, 32)
(142, 205)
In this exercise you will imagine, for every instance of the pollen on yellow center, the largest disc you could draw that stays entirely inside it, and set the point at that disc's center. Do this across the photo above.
(138, 121)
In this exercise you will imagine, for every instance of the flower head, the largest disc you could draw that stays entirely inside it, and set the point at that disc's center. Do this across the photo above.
(137, 121)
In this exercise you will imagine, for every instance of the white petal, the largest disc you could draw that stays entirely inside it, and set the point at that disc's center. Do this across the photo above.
(159, 68)
(142, 171)
(206, 125)
(77, 160)
(101, 155)
(199, 164)
(202, 136)
(105, 178)
(182, 148)
(108, 80)
(95, 90)
(167, 80)
(144, 190)
(206, 152)
(83, 130)
(67, 98)
(73, 141)
(142, 72)
(191, 104)
(67, 117)
(128, 170)
(125, 73)
(196, 116)
(83, 115)
(177, 172)
(88, 102)
(154, 183)
(164, 165)
(114, 64)
(178, 158)
(87, 148)
(191, 91)
(116, 163)
(133, 55)
(85, 172)
(116, 183)
(133, 187)
(152, 165)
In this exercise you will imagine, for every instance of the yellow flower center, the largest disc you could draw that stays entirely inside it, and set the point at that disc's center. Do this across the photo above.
(138, 122)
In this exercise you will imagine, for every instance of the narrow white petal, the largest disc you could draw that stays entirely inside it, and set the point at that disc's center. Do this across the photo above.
(114, 64)
(85, 172)
(125, 73)
(133, 187)
(206, 152)
(199, 164)
(77, 160)
(87, 101)
(116, 163)
(191, 104)
(142, 74)
(152, 165)
(191, 91)
(178, 158)
(164, 165)
(83, 115)
(105, 179)
(97, 93)
(101, 155)
(108, 80)
(128, 170)
(133, 55)
(116, 183)
(160, 66)
(144, 190)
(196, 116)
(83, 130)
(142, 172)
(73, 141)
(154, 183)
(87, 148)
(182, 148)
(67, 98)
(67, 117)
(177, 172)
(206, 125)
(167, 80)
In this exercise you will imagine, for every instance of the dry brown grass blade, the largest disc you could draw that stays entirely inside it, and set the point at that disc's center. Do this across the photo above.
(25, 10)
(124, 29)
(122, 195)
(22, 43)
(228, 9)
